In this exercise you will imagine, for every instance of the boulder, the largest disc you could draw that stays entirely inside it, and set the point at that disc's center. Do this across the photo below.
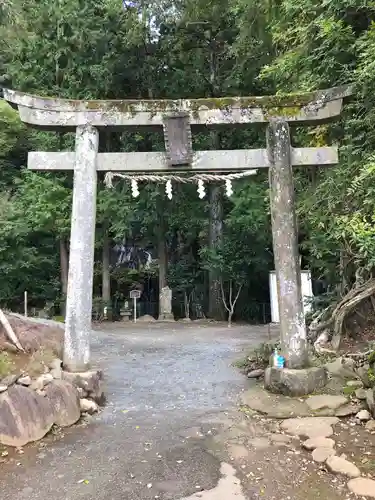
(41, 382)
(362, 372)
(10, 380)
(92, 382)
(318, 442)
(355, 383)
(26, 381)
(360, 394)
(64, 400)
(295, 382)
(3, 388)
(348, 409)
(320, 455)
(363, 415)
(255, 374)
(362, 486)
(370, 401)
(24, 416)
(341, 368)
(370, 426)
(340, 465)
(325, 401)
(88, 406)
(310, 427)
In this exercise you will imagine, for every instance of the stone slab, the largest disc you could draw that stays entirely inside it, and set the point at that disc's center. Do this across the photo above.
(295, 382)
(320, 455)
(318, 442)
(326, 401)
(362, 486)
(340, 465)
(310, 427)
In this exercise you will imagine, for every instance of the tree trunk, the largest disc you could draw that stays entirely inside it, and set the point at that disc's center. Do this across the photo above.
(64, 271)
(215, 305)
(106, 274)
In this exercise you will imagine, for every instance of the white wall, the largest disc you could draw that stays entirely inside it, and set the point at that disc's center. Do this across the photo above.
(306, 293)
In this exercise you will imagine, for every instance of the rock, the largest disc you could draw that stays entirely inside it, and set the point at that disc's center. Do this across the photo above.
(64, 401)
(363, 415)
(325, 401)
(310, 427)
(255, 374)
(320, 455)
(26, 381)
(10, 380)
(341, 368)
(355, 383)
(56, 373)
(88, 406)
(24, 416)
(41, 393)
(91, 382)
(55, 364)
(340, 465)
(318, 442)
(370, 426)
(360, 394)
(370, 401)
(348, 409)
(3, 388)
(362, 372)
(273, 405)
(280, 438)
(41, 382)
(295, 382)
(362, 486)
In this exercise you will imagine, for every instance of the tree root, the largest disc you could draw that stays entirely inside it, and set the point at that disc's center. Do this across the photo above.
(334, 323)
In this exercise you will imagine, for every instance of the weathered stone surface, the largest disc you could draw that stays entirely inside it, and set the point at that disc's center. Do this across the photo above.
(318, 442)
(64, 400)
(295, 382)
(363, 415)
(362, 486)
(26, 381)
(370, 426)
(56, 373)
(3, 388)
(370, 401)
(273, 405)
(91, 382)
(24, 416)
(256, 373)
(41, 382)
(320, 455)
(310, 427)
(10, 380)
(355, 383)
(55, 363)
(362, 372)
(280, 438)
(88, 406)
(348, 409)
(325, 401)
(342, 368)
(360, 394)
(340, 465)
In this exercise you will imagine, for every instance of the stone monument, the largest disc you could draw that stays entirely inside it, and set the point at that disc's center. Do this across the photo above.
(165, 304)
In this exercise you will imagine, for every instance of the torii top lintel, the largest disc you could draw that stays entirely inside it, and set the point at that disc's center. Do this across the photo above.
(56, 113)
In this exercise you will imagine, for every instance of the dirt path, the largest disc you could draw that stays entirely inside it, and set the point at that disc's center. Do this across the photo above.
(170, 430)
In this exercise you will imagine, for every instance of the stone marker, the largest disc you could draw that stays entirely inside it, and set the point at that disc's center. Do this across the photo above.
(362, 486)
(318, 442)
(165, 304)
(320, 455)
(340, 465)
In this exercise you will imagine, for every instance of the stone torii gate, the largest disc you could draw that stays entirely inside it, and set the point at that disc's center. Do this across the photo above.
(178, 117)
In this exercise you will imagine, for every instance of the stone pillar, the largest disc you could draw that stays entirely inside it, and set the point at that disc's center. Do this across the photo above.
(81, 258)
(285, 246)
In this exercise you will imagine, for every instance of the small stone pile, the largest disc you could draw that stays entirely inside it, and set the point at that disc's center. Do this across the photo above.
(30, 407)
